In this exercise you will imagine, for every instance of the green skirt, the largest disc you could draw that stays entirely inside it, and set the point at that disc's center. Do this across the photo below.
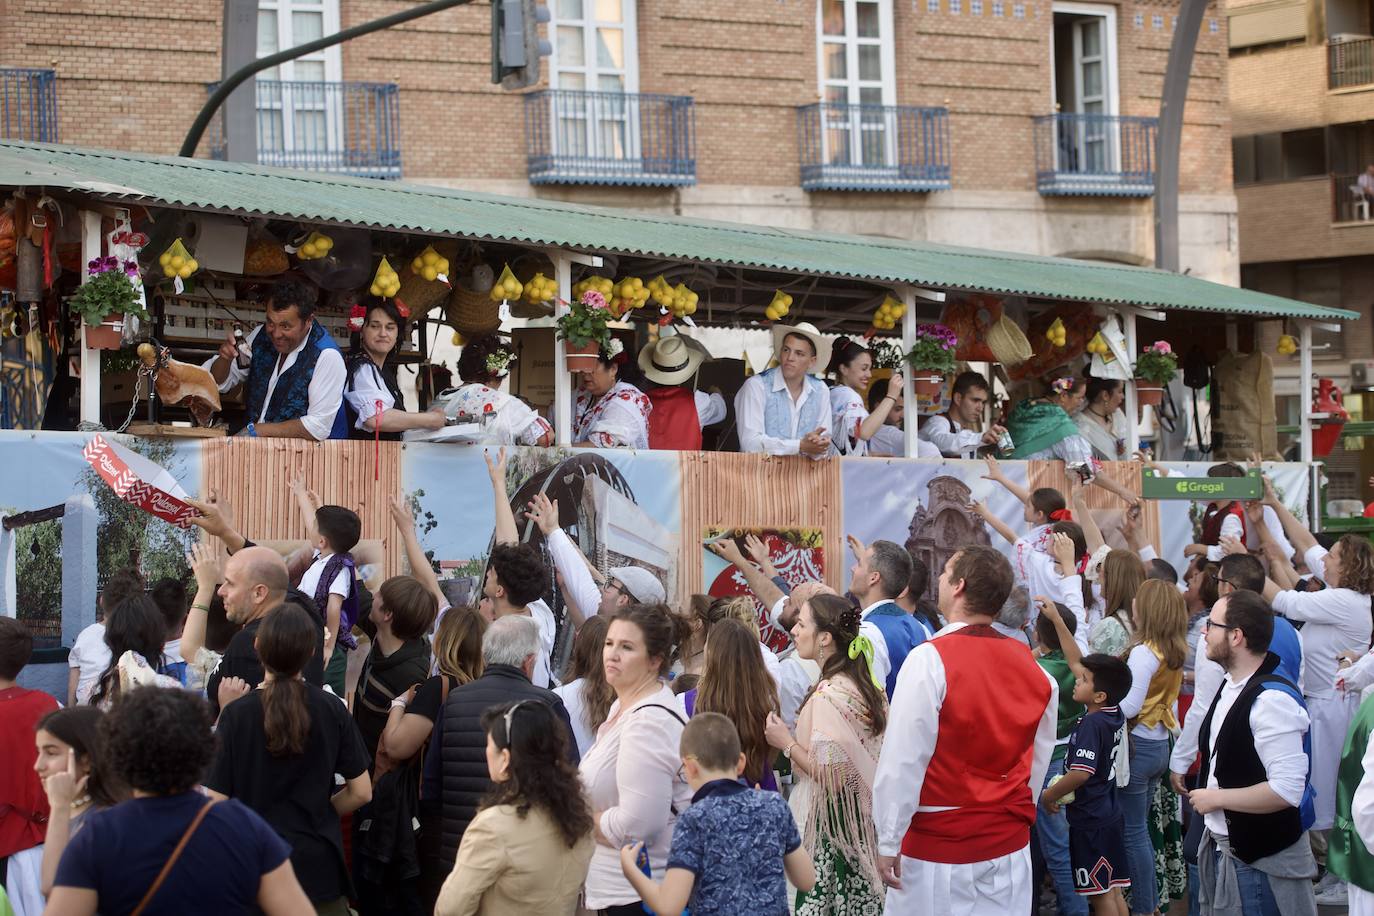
(840, 890)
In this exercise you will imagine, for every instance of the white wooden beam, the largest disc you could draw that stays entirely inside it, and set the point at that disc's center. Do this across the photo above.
(90, 359)
(562, 383)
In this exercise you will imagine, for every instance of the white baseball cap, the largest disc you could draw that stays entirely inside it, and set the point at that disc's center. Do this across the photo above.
(640, 584)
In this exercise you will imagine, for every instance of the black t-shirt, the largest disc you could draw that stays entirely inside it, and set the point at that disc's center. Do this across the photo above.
(241, 658)
(429, 699)
(118, 853)
(292, 792)
(384, 678)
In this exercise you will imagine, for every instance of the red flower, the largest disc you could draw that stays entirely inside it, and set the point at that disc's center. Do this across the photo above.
(487, 407)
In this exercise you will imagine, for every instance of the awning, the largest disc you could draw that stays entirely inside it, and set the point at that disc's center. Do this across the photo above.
(253, 190)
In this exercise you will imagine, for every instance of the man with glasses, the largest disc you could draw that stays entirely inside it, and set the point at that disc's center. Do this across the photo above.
(1254, 793)
(623, 585)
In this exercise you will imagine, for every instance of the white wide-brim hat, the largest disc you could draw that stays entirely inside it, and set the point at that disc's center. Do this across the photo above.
(810, 332)
(670, 360)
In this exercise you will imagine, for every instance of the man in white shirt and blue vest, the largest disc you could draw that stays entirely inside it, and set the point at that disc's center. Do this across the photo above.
(881, 573)
(786, 410)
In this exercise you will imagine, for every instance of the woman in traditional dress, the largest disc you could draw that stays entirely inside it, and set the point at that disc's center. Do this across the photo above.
(1043, 430)
(834, 756)
(484, 362)
(371, 381)
(852, 425)
(610, 412)
(1101, 421)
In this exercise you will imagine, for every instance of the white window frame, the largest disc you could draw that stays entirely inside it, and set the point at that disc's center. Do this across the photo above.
(887, 61)
(1111, 83)
(590, 71)
(331, 57)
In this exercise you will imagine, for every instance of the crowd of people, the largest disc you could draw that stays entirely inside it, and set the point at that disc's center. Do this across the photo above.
(1065, 718)
(820, 398)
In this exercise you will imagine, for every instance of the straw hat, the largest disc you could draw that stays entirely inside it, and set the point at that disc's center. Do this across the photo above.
(670, 360)
(810, 332)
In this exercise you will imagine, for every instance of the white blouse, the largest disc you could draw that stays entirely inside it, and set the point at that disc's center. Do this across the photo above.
(847, 413)
(617, 419)
(632, 776)
(511, 421)
(368, 388)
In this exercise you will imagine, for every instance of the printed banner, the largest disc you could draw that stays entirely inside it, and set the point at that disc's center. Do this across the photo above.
(139, 482)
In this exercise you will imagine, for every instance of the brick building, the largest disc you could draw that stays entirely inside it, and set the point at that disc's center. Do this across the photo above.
(1302, 112)
(1014, 124)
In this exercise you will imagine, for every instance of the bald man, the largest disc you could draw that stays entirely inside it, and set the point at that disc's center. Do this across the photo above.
(255, 584)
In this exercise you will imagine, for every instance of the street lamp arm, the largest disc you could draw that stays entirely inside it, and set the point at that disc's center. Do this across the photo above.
(235, 79)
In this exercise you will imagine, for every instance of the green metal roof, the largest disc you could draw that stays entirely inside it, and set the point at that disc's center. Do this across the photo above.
(313, 197)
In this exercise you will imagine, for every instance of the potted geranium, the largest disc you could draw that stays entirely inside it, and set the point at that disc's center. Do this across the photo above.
(584, 332)
(931, 358)
(1156, 368)
(102, 302)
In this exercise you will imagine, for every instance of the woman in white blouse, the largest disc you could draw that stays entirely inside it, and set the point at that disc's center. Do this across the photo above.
(1101, 421)
(851, 423)
(632, 773)
(483, 364)
(371, 382)
(610, 412)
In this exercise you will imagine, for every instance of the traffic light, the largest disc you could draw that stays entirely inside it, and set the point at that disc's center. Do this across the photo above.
(516, 48)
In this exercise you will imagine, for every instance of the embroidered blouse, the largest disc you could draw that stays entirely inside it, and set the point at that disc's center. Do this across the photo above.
(617, 419)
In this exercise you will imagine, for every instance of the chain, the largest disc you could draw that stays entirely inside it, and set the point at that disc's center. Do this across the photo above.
(133, 407)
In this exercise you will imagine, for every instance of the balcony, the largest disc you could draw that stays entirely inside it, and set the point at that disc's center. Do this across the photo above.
(873, 147)
(1095, 155)
(610, 138)
(344, 128)
(28, 105)
(1350, 63)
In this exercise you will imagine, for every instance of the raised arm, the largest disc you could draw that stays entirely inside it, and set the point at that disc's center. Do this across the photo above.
(309, 503)
(1111, 486)
(506, 531)
(996, 523)
(1280, 561)
(875, 420)
(567, 560)
(763, 587)
(996, 475)
(204, 562)
(1062, 547)
(420, 569)
(1083, 515)
(215, 522)
(1302, 539)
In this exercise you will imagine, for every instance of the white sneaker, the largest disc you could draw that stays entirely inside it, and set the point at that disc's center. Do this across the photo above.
(1336, 895)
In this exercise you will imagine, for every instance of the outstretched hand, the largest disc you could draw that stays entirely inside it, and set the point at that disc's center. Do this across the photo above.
(727, 550)
(542, 511)
(204, 562)
(401, 514)
(497, 468)
(994, 469)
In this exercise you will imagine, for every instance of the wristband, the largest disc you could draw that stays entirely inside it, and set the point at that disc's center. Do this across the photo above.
(252, 430)
(201, 607)
(398, 703)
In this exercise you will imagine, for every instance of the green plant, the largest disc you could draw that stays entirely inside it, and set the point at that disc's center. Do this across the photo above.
(934, 349)
(585, 322)
(1157, 363)
(111, 290)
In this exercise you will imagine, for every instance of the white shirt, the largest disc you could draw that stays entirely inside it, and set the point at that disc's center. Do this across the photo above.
(795, 679)
(750, 404)
(710, 407)
(1336, 620)
(909, 741)
(326, 385)
(548, 628)
(882, 659)
(630, 775)
(1143, 664)
(578, 583)
(571, 695)
(90, 654)
(1278, 724)
(1207, 679)
(368, 389)
(847, 414)
(950, 438)
(890, 442)
(310, 580)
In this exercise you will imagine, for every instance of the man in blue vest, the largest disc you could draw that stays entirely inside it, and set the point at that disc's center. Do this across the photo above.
(880, 573)
(786, 410)
(295, 379)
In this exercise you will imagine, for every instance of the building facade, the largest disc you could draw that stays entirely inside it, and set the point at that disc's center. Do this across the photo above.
(1024, 125)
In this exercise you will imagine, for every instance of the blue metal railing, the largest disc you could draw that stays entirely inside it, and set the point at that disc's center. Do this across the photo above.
(1091, 154)
(347, 128)
(873, 147)
(28, 104)
(577, 137)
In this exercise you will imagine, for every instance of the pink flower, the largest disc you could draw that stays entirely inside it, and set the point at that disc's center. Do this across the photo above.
(1162, 346)
(592, 299)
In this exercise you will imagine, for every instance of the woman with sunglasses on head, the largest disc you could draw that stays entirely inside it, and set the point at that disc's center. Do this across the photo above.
(527, 850)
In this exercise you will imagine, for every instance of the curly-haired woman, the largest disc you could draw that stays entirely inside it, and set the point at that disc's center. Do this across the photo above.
(834, 758)
(527, 850)
(484, 362)
(170, 849)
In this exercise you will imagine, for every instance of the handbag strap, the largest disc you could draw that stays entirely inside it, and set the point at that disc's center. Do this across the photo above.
(176, 854)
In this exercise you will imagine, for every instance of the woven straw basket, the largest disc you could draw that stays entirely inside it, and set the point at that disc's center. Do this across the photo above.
(1008, 342)
(421, 295)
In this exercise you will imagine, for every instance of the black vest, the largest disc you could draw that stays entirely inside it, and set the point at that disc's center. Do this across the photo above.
(361, 362)
(1252, 836)
(463, 745)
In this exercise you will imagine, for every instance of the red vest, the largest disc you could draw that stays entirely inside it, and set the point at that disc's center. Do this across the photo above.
(674, 423)
(1213, 517)
(995, 697)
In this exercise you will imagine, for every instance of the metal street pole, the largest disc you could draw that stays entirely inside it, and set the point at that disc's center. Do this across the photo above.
(232, 81)
(239, 46)
(1172, 101)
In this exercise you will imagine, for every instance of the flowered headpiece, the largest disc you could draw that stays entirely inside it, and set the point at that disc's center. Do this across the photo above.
(614, 351)
(498, 360)
(1063, 385)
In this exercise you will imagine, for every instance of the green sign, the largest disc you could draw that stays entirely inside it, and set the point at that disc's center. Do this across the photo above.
(1209, 489)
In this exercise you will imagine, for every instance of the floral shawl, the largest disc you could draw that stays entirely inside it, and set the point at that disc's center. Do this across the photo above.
(514, 423)
(618, 419)
(835, 804)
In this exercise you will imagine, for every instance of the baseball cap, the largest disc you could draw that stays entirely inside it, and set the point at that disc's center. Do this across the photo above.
(642, 585)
